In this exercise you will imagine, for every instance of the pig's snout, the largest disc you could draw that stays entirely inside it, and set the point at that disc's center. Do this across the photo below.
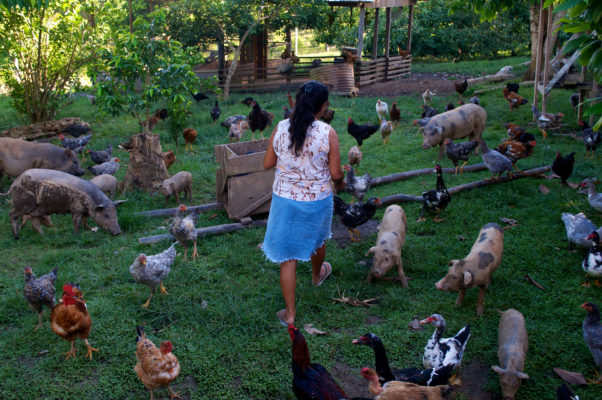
(115, 231)
(377, 273)
(441, 285)
(425, 146)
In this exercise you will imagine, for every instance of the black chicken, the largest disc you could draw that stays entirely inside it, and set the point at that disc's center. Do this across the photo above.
(461, 87)
(215, 112)
(360, 132)
(76, 130)
(198, 96)
(592, 334)
(101, 156)
(513, 87)
(354, 215)
(435, 201)
(429, 112)
(357, 186)
(427, 377)
(591, 139)
(248, 101)
(259, 119)
(459, 151)
(574, 100)
(563, 166)
(287, 112)
(563, 392)
(449, 107)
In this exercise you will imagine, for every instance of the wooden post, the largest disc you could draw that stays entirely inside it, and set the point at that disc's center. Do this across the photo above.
(410, 19)
(548, 56)
(387, 41)
(360, 32)
(288, 40)
(538, 58)
(593, 95)
(221, 61)
(375, 36)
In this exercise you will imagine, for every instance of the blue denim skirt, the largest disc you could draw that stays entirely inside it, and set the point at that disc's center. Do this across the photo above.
(296, 229)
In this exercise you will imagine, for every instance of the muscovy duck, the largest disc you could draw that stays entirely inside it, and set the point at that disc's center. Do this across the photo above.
(592, 265)
(592, 334)
(435, 201)
(577, 228)
(427, 377)
(594, 198)
(441, 351)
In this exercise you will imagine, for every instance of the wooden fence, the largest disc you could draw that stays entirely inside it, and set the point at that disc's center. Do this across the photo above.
(379, 70)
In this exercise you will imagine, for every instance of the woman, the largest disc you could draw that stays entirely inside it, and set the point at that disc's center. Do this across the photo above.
(306, 154)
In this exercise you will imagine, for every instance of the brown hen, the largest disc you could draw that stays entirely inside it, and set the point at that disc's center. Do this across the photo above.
(189, 136)
(513, 99)
(156, 367)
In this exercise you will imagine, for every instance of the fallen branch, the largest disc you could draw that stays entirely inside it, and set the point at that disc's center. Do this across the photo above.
(522, 84)
(170, 212)
(401, 198)
(402, 176)
(210, 230)
(532, 282)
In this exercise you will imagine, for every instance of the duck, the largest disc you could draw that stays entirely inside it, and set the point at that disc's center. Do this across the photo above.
(435, 200)
(594, 198)
(427, 377)
(577, 227)
(440, 351)
(592, 265)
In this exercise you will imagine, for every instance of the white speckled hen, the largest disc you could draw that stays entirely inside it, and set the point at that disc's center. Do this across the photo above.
(152, 270)
(184, 230)
(592, 333)
(357, 186)
(459, 151)
(435, 200)
(109, 167)
(40, 291)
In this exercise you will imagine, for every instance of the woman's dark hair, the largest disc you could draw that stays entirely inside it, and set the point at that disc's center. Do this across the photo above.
(310, 98)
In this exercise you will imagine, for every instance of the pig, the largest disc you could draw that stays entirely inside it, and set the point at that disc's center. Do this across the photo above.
(513, 343)
(41, 192)
(105, 182)
(477, 267)
(36, 221)
(391, 237)
(467, 120)
(180, 182)
(17, 156)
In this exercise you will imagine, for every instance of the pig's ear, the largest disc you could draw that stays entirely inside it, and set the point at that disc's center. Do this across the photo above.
(370, 250)
(467, 278)
(452, 262)
(439, 130)
(100, 207)
(118, 202)
(68, 152)
(498, 369)
(521, 375)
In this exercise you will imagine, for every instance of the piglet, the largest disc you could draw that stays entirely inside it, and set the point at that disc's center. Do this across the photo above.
(513, 343)
(107, 183)
(180, 182)
(477, 267)
(387, 251)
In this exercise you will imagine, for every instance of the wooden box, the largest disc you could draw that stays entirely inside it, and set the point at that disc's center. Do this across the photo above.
(242, 185)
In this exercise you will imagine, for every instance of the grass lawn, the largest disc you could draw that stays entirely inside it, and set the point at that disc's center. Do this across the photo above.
(232, 347)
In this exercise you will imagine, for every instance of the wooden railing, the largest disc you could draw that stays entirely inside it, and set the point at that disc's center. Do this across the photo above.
(372, 71)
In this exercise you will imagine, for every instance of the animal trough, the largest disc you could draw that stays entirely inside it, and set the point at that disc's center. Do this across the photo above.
(243, 186)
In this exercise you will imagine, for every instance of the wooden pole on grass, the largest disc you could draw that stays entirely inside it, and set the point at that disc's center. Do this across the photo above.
(210, 230)
(170, 212)
(402, 176)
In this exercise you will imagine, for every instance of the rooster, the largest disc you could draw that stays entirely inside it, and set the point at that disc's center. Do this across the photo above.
(354, 215)
(382, 109)
(357, 186)
(152, 270)
(156, 367)
(360, 132)
(395, 390)
(39, 292)
(546, 121)
(591, 138)
(75, 145)
(513, 99)
(183, 229)
(258, 119)
(70, 319)
(189, 135)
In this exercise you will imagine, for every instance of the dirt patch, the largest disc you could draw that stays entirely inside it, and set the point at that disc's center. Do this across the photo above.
(350, 380)
(474, 377)
(340, 234)
(185, 386)
(372, 319)
(414, 83)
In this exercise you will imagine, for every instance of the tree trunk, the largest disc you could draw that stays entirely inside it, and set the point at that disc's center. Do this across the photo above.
(146, 169)
(534, 23)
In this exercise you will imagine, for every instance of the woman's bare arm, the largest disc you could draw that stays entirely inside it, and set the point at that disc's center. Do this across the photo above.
(270, 158)
(334, 160)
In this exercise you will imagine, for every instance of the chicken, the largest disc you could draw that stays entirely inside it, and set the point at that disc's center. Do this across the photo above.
(39, 292)
(594, 198)
(574, 100)
(215, 112)
(258, 119)
(459, 151)
(237, 130)
(592, 334)
(435, 200)
(496, 163)
(70, 319)
(449, 107)
(354, 215)
(198, 96)
(382, 109)
(161, 113)
(183, 229)
(395, 390)
(513, 87)
(156, 367)
(76, 130)
(227, 123)
(310, 381)
(427, 377)
(592, 265)
(360, 132)
(152, 270)
(109, 167)
(287, 112)
(76, 145)
(286, 53)
(545, 121)
(150, 123)
(101, 156)
(513, 99)
(427, 96)
(515, 150)
(461, 87)
(189, 135)
(401, 51)
(429, 112)
(563, 166)
(519, 133)
(591, 139)
(354, 156)
(578, 228)
(354, 92)
(169, 158)
(291, 101)
(357, 186)
(386, 128)
(294, 58)
(395, 114)
(475, 100)
(247, 101)
(563, 392)
(328, 116)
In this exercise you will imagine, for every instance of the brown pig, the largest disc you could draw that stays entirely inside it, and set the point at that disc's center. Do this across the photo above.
(467, 120)
(476, 268)
(180, 182)
(107, 183)
(391, 237)
(513, 344)
(17, 156)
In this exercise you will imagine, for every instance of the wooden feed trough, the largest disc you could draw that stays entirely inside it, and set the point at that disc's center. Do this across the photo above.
(242, 185)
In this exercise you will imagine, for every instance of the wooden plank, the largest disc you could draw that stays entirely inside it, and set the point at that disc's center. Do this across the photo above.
(267, 197)
(244, 190)
(211, 230)
(244, 164)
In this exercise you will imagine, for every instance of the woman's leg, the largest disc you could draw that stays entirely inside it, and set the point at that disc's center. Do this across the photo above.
(288, 282)
(316, 263)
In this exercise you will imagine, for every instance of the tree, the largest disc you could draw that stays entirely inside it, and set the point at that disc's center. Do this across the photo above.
(48, 43)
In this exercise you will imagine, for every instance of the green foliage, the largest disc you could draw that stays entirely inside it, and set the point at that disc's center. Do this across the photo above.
(48, 44)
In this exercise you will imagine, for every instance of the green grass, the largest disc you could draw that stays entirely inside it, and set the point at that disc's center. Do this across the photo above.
(235, 348)
(472, 67)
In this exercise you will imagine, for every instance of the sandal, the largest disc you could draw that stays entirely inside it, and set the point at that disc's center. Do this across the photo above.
(328, 269)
